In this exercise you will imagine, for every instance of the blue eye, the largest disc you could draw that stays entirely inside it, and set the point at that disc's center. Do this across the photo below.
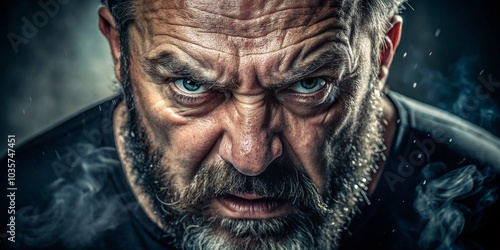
(309, 85)
(190, 87)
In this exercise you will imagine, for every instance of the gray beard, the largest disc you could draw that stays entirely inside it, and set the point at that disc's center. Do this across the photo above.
(317, 221)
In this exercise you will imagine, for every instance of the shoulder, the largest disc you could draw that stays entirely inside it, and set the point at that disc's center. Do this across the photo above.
(47, 162)
(449, 169)
(50, 155)
(443, 135)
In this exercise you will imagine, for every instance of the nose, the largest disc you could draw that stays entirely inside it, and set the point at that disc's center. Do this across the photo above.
(251, 140)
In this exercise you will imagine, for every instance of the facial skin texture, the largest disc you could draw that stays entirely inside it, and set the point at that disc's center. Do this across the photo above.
(254, 125)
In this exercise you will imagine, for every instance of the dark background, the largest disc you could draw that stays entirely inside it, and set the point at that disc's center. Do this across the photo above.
(448, 48)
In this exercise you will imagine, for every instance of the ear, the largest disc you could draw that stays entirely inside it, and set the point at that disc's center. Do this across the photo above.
(390, 43)
(107, 26)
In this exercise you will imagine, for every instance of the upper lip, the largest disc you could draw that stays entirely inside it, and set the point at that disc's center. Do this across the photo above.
(248, 196)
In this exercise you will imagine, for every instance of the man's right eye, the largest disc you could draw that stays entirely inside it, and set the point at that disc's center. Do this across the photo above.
(190, 87)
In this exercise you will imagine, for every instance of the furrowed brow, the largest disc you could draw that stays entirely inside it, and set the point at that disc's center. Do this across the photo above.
(330, 59)
(166, 63)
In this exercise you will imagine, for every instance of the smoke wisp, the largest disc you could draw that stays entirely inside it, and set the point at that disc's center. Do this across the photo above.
(439, 207)
(79, 211)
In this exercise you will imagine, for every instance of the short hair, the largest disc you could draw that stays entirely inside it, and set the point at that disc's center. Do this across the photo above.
(377, 14)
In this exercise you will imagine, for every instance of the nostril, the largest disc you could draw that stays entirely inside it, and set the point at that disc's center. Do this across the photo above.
(226, 148)
(253, 155)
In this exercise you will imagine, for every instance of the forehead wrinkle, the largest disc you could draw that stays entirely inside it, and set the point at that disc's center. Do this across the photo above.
(301, 64)
(238, 47)
(331, 60)
(189, 28)
(246, 10)
(342, 12)
(201, 66)
(243, 18)
(333, 38)
(265, 24)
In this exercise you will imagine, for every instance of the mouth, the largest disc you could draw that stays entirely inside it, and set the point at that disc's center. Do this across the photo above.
(250, 206)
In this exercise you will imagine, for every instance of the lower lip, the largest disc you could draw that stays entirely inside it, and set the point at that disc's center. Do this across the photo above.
(240, 208)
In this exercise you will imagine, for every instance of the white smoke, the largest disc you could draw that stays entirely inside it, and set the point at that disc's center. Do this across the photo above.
(437, 203)
(79, 211)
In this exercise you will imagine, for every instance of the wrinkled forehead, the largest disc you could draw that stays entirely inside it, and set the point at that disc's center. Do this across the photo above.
(223, 15)
(245, 19)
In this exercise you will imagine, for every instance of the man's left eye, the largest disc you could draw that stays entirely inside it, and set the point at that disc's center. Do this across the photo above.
(190, 87)
(309, 85)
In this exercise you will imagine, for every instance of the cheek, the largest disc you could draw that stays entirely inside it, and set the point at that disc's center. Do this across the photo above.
(185, 143)
(305, 140)
(149, 103)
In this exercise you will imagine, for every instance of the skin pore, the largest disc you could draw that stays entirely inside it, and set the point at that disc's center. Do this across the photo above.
(236, 103)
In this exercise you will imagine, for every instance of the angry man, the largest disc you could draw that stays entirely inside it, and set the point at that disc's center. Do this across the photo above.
(256, 125)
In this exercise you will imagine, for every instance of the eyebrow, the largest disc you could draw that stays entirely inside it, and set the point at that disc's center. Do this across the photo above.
(331, 58)
(167, 62)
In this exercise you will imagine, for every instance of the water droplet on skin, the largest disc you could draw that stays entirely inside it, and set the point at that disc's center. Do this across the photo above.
(414, 84)
(450, 140)
(404, 55)
(393, 230)
(425, 181)
(132, 134)
(480, 73)
(24, 112)
(419, 156)
(430, 54)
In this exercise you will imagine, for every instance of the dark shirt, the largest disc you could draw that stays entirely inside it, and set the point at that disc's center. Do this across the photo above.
(439, 188)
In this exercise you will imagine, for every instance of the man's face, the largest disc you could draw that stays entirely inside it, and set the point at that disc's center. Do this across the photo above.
(256, 122)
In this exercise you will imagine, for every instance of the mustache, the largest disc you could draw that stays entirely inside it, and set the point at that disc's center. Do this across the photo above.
(281, 181)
